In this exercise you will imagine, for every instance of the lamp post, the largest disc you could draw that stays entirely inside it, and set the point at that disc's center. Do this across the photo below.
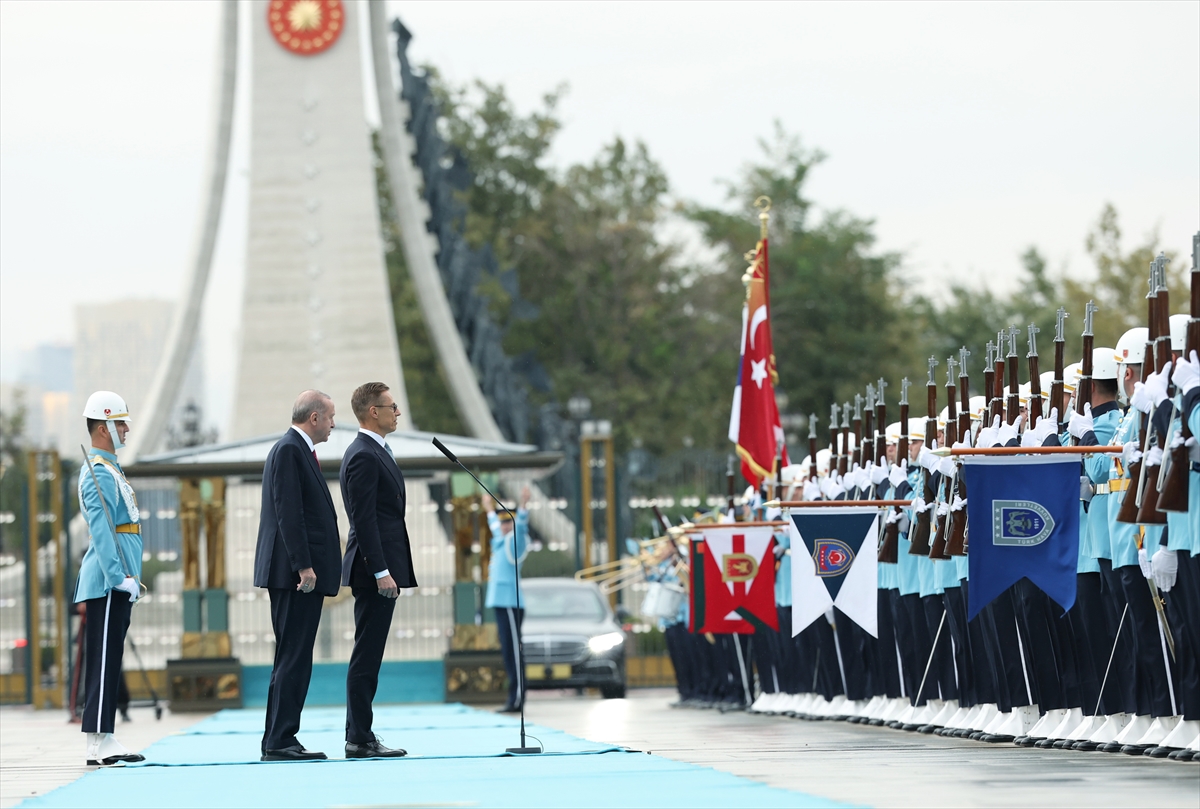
(591, 433)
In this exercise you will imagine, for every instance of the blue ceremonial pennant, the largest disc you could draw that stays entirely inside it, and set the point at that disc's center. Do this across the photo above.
(1023, 522)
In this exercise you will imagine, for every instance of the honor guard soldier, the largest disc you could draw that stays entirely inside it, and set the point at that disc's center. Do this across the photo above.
(109, 574)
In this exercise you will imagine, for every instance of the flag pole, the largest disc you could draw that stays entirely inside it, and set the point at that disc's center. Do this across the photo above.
(944, 451)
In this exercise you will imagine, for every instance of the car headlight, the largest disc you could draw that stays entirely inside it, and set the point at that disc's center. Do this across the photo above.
(602, 643)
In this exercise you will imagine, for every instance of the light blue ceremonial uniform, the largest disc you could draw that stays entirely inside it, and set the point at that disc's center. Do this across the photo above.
(507, 549)
(908, 566)
(1124, 536)
(1181, 534)
(783, 577)
(1098, 468)
(887, 576)
(101, 569)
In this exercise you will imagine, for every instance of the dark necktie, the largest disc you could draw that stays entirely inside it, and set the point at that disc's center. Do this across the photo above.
(318, 463)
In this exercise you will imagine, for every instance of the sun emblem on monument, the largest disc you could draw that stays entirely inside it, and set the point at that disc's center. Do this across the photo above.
(306, 27)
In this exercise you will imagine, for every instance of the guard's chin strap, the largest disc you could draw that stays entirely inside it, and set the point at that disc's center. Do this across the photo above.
(116, 436)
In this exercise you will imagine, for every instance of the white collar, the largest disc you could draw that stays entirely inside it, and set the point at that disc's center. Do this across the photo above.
(378, 438)
(307, 440)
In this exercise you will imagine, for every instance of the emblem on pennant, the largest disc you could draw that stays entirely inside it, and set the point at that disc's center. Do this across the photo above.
(832, 556)
(1021, 523)
(738, 567)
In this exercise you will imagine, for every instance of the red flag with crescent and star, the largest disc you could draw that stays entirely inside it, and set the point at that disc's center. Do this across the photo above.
(733, 580)
(754, 425)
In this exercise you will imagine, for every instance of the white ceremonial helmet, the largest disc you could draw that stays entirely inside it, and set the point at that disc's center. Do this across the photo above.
(945, 414)
(1071, 376)
(1104, 363)
(1178, 331)
(916, 429)
(796, 471)
(823, 462)
(892, 433)
(106, 406)
(1023, 391)
(978, 404)
(1131, 348)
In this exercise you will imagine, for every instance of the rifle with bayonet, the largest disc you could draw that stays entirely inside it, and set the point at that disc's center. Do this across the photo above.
(1174, 494)
(1058, 384)
(844, 458)
(889, 550)
(880, 425)
(1148, 512)
(956, 543)
(1083, 388)
(867, 438)
(1128, 512)
(857, 426)
(923, 525)
(949, 438)
(812, 446)
(834, 453)
(730, 508)
(997, 392)
(1034, 409)
(989, 384)
(1014, 377)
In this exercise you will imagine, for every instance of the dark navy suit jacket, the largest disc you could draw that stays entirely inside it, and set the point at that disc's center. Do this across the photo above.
(298, 524)
(375, 498)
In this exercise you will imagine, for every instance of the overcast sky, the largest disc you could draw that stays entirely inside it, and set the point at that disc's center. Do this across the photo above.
(966, 131)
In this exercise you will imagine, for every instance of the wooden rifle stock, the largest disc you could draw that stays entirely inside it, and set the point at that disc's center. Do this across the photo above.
(889, 551)
(997, 392)
(1014, 380)
(924, 522)
(950, 437)
(956, 542)
(1148, 512)
(1035, 391)
(1174, 494)
(1128, 513)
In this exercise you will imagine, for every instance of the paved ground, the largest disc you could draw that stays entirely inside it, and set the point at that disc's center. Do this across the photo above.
(875, 766)
(866, 765)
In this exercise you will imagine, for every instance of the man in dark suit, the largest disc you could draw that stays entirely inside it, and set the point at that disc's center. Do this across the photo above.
(378, 559)
(297, 561)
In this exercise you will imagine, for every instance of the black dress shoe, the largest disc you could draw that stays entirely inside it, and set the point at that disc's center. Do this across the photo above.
(297, 753)
(509, 709)
(373, 749)
(1159, 751)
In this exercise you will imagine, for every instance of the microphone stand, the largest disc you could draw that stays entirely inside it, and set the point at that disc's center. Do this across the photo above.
(517, 569)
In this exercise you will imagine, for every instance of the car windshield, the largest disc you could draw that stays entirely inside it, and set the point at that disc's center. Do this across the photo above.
(563, 602)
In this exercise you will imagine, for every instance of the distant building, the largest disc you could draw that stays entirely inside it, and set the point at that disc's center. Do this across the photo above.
(118, 346)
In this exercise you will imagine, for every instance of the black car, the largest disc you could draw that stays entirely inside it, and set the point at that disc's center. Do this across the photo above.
(571, 637)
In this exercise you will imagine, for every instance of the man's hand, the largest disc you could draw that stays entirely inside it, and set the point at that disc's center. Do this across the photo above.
(130, 586)
(898, 473)
(1164, 566)
(525, 494)
(879, 473)
(308, 580)
(1008, 432)
(1187, 373)
(488, 503)
(987, 435)
(1081, 423)
(1130, 453)
(387, 586)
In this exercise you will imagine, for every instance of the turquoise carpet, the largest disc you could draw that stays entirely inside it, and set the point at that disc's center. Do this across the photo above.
(456, 758)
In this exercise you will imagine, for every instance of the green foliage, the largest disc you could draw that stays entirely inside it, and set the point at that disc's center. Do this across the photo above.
(13, 477)
(547, 564)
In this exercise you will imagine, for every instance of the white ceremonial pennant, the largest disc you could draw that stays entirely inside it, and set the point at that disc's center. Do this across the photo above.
(858, 595)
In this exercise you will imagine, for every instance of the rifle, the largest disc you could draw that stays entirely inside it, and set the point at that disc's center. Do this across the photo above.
(1058, 386)
(812, 446)
(1174, 493)
(1083, 388)
(857, 426)
(1014, 377)
(844, 458)
(956, 543)
(989, 383)
(867, 436)
(834, 455)
(729, 506)
(1128, 512)
(997, 392)
(1035, 379)
(1148, 512)
(921, 531)
(938, 549)
(889, 550)
(880, 423)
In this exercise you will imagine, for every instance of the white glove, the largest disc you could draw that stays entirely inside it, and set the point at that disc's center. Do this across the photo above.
(927, 459)
(987, 435)
(1008, 432)
(879, 473)
(1081, 423)
(1045, 427)
(1156, 385)
(959, 504)
(1164, 564)
(1154, 456)
(1187, 373)
(1144, 563)
(1178, 441)
(812, 490)
(1130, 454)
(856, 479)
(918, 505)
(898, 473)
(129, 585)
(894, 516)
(947, 466)
(1140, 399)
(943, 509)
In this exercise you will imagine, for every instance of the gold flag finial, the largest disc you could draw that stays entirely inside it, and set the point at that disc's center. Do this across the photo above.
(763, 204)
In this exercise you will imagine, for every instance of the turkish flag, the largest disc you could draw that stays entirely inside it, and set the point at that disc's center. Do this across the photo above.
(733, 580)
(754, 425)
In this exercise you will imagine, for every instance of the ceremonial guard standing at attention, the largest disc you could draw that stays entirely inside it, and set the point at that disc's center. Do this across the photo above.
(378, 558)
(298, 560)
(109, 574)
(510, 545)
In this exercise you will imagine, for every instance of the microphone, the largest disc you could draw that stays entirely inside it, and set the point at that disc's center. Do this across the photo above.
(516, 569)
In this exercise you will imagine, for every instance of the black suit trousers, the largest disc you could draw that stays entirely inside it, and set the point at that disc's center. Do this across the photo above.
(372, 623)
(104, 645)
(295, 617)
